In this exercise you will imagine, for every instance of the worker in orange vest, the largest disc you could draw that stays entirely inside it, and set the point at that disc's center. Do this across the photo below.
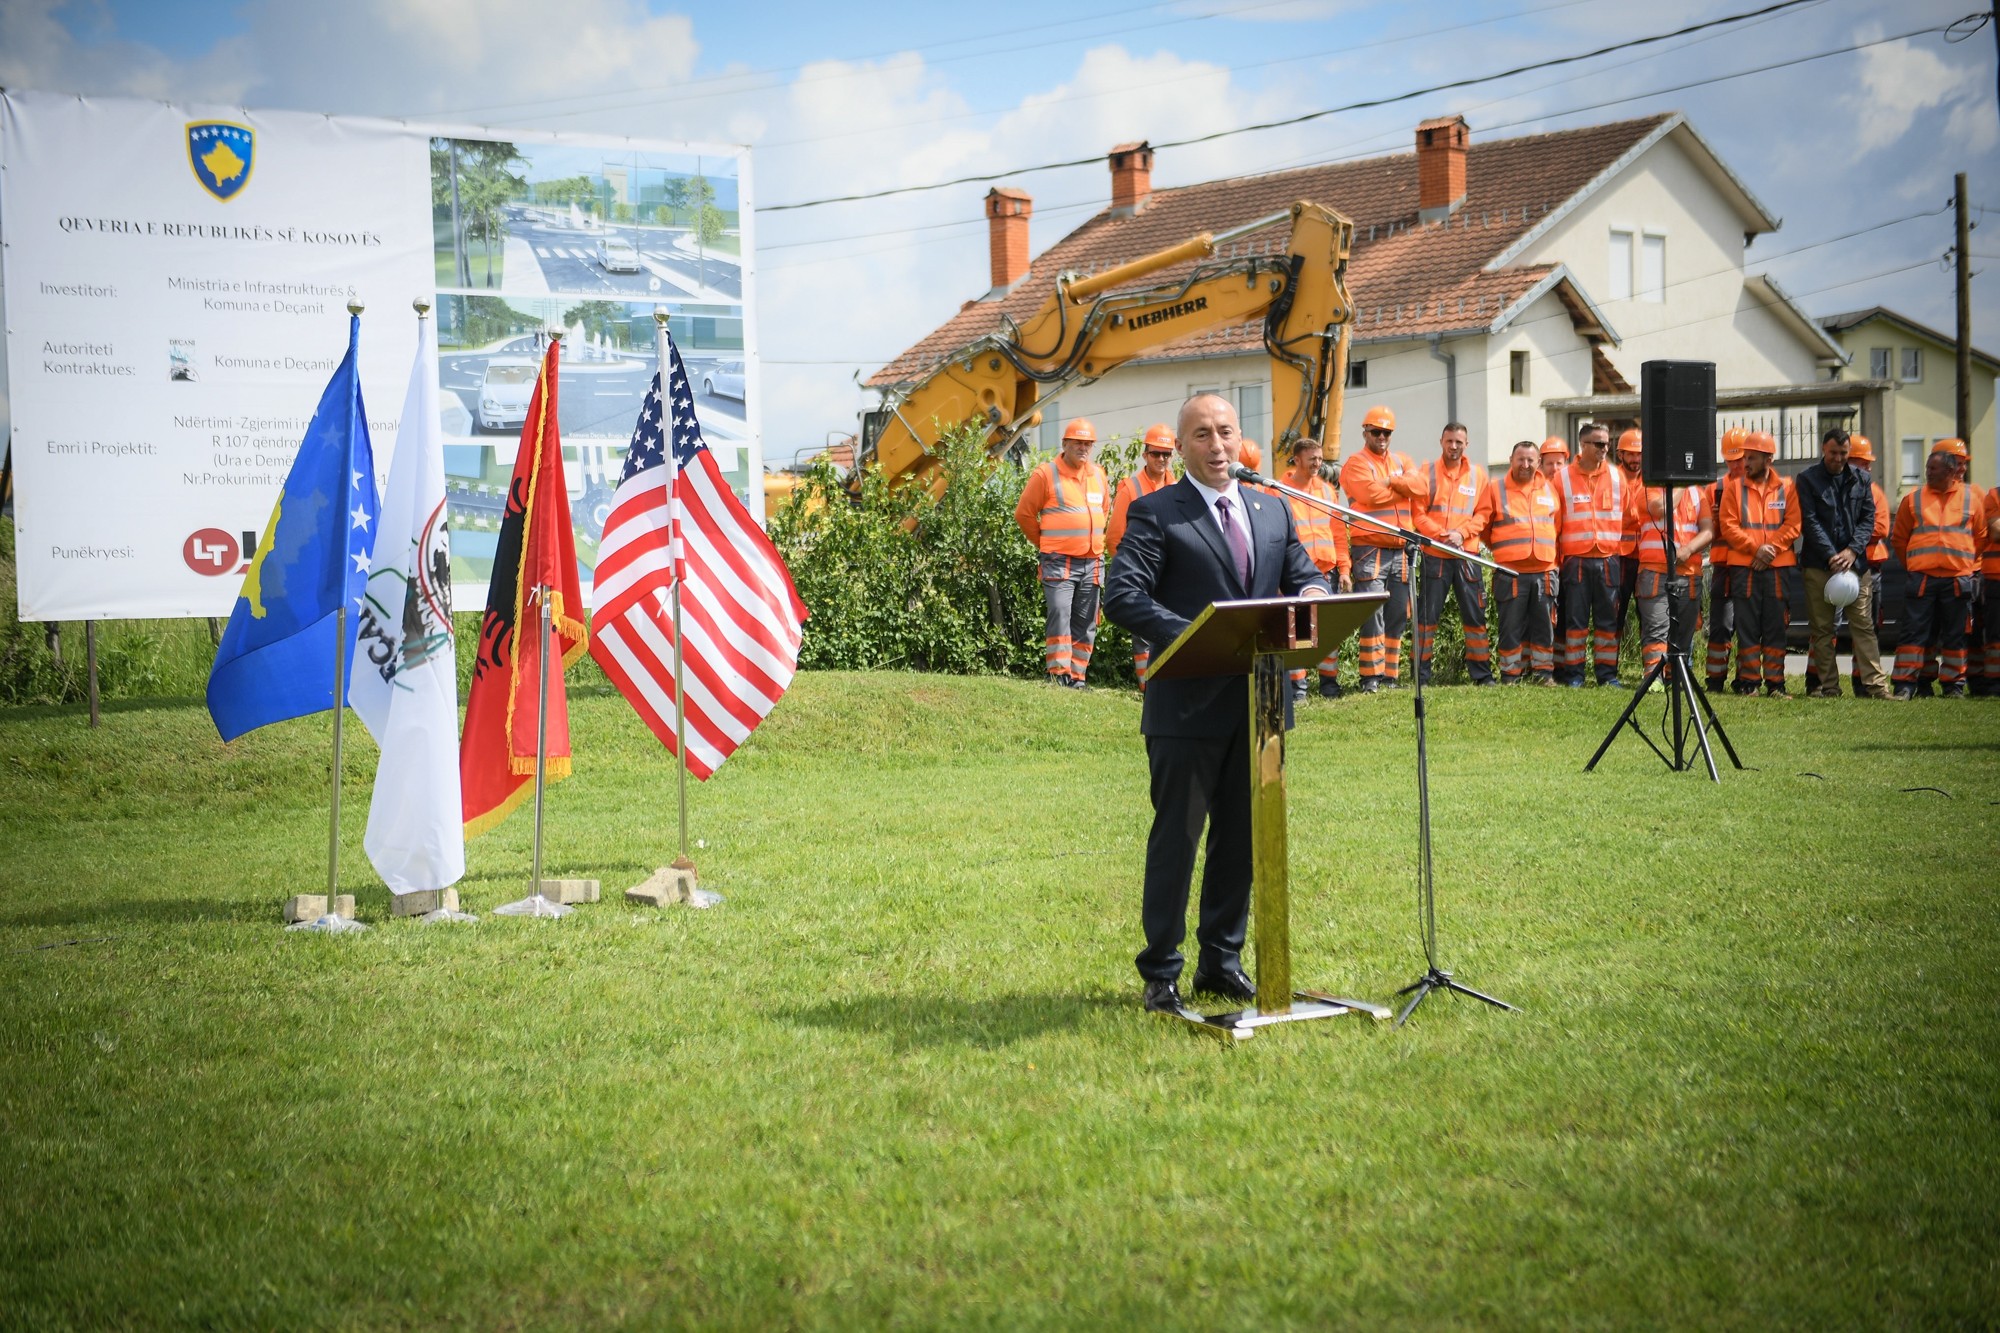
(1722, 565)
(1631, 457)
(1554, 455)
(1447, 511)
(1155, 472)
(1760, 522)
(1519, 518)
(1324, 535)
(1865, 615)
(1380, 483)
(1990, 595)
(1593, 498)
(1938, 534)
(1669, 611)
(1062, 513)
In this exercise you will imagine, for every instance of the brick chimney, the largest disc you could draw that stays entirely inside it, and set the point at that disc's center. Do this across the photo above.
(1007, 214)
(1131, 178)
(1440, 167)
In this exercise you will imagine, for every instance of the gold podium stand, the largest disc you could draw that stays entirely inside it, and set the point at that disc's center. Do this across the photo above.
(1263, 639)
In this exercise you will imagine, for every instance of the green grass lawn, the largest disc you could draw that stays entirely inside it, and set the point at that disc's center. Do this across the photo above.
(900, 1077)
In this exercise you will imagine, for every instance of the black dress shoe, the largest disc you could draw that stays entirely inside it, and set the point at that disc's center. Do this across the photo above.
(1162, 997)
(1229, 983)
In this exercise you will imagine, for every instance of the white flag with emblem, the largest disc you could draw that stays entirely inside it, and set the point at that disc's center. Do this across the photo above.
(405, 684)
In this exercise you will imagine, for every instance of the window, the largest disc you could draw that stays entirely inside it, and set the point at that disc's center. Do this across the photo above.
(1878, 363)
(1251, 407)
(1357, 374)
(1653, 268)
(1051, 434)
(1517, 373)
(1620, 286)
(1913, 462)
(1913, 364)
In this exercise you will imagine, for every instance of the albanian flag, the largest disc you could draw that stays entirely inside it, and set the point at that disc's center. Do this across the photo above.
(536, 550)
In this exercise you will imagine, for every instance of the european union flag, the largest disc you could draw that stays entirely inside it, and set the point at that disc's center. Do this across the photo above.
(276, 657)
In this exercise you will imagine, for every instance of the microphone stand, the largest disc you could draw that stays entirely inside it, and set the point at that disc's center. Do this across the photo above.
(1435, 977)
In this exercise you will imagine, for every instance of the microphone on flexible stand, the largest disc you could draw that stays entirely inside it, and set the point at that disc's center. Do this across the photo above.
(1251, 475)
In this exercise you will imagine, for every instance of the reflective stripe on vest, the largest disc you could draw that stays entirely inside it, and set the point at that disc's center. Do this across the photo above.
(1526, 532)
(1687, 526)
(1080, 524)
(1460, 499)
(1585, 527)
(1878, 540)
(1938, 547)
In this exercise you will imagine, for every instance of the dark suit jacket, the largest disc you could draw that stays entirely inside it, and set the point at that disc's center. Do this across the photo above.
(1171, 564)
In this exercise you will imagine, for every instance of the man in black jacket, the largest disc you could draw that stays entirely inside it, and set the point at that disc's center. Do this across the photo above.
(1836, 520)
(1204, 539)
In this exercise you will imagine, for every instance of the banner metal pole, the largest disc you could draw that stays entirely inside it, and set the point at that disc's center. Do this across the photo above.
(90, 665)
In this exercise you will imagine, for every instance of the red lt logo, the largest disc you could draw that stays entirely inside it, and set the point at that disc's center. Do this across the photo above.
(210, 551)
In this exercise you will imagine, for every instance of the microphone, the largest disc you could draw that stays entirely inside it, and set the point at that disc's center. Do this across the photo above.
(1251, 475)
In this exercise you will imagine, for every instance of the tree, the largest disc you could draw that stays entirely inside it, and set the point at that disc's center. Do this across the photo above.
(599, 317)
(701, 198)
(472, 177)
(675, 192)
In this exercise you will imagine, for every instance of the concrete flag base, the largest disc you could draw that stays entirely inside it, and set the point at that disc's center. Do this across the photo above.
(423, 902)
(312, 906)
(670, 885)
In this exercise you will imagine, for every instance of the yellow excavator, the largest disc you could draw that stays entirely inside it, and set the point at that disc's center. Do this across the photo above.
(1090, 326)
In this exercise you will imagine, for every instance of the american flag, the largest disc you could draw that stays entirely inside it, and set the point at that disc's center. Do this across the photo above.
(742, 617)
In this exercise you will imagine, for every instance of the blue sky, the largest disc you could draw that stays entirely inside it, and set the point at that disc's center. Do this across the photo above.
(835, 99)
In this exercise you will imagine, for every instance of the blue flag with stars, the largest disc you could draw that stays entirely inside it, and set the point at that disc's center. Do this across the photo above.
(276, 657)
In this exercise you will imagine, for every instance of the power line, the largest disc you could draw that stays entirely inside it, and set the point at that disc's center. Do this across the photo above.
(1539, 118)
(1365, 104)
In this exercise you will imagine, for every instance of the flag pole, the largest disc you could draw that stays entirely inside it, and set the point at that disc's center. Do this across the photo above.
(660, 315)
(541, 734)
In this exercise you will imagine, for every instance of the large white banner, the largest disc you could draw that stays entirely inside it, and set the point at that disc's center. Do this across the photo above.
(176, 281)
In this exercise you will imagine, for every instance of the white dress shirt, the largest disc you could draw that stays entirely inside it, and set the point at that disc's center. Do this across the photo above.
(1237, 515)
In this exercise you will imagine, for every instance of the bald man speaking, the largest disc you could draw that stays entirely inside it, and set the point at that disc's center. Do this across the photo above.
(1202, 540)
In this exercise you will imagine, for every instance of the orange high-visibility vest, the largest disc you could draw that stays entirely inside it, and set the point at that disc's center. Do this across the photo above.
(1760, 514)
(1991, 565)
(1450, 501)
(1689, 506)
(1521, 523)
(1382, 489)
(1721, 552)
(1064, 514)
(1635, 514)
(1878, 541)
(1939, 533)
(1130, 489)
(1593, 520)
(1324, 535)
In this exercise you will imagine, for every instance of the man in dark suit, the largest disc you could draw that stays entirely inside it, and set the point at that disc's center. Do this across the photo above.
(1202, 540)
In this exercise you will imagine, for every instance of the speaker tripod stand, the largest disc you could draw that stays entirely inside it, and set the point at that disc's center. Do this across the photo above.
(1686, 704)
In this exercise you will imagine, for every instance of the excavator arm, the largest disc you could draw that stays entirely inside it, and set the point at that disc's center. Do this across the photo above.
(1090, 326)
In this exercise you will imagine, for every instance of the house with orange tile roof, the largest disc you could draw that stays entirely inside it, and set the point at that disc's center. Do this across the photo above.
(1491, 282)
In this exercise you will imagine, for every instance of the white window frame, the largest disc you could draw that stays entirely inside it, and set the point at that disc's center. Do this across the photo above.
(1647, 288)
(1888, 361)
(1912, 462)
(1517, 373)
(1620, 287)
(1357, 373)
(1904, 361)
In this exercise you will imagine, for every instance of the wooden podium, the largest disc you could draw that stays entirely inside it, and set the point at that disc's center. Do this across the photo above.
(1263, 639)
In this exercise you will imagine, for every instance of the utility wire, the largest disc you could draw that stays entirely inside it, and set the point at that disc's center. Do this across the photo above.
(1365, 104)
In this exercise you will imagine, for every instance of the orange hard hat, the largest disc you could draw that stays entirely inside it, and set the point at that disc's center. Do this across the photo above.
(1732, 443)
(1080, 429)
(1956, 448)
(1380, 416)
(1760, 442)
(1860, 448)
(1250, 455)
(1557, 445)
(1628, 443)
(1159, 436)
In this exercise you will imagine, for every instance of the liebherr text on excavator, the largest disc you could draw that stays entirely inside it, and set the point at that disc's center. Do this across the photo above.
(1090, 326)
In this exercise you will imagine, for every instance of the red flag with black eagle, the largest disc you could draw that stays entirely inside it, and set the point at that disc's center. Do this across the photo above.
(536, 549)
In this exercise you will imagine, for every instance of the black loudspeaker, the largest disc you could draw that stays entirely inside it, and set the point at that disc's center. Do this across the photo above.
(1677, 420)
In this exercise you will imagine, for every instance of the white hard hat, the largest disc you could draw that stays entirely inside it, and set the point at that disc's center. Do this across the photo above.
(1843, 588)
